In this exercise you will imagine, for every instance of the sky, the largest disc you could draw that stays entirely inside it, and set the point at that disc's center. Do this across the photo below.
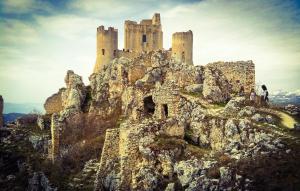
(41, 40)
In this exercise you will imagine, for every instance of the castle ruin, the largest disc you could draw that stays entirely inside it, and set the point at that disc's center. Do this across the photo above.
(145, 36)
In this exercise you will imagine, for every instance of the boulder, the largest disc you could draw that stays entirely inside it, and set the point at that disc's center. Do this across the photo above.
(187, 171)
(247, 111)
(40, 122)
(194, 88)
(258, 118)
(234, 105)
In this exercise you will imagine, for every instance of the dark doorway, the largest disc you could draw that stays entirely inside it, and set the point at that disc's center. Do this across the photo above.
(103, 51)
(149, 105)
(144, 38)
(115, 52)
(165, 107)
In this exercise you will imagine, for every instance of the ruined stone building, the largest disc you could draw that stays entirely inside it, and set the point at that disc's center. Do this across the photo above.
(141, 37)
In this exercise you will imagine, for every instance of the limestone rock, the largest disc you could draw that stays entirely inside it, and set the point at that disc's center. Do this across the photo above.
(247, 111)
(194, 88)
(54, 104)
(215, 85)
(187, 171)
(234, 105)
(40, 122)
(170, 187)
(258, 118)
(74, 94)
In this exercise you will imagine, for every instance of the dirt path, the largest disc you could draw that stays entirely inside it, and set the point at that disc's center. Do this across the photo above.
(287, 120)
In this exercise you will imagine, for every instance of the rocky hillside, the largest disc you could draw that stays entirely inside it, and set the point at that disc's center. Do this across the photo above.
(151, 123)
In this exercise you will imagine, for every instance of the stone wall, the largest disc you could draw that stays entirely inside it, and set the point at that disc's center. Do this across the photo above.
(1, 112)
(239, 74)
(182, 47)
(53, 103)
(107, 46)
(145, 36)
(55, 125)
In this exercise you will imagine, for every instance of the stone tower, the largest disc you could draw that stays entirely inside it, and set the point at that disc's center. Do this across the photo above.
(182, 46)
(145, 36)
(107, 46)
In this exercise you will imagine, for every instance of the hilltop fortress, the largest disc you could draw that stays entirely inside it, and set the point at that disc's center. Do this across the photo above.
(143, 37)
(140, 94)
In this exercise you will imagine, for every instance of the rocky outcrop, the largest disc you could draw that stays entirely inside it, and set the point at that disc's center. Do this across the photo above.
(1, 112)
(53, 104)
(215, 87)
(74, 95)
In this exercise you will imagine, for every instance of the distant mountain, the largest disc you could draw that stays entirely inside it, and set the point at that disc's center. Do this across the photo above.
(10, 117)
(23, 107)
(284, 97)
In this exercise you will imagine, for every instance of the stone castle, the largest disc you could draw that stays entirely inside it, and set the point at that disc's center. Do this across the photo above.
(144, 92)
(143, 37)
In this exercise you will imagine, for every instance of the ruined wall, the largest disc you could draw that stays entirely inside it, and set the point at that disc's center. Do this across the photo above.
(182, 46)
(239, 74)
(166, 98)
(145, 36)
(1, 112)
(107, 46)
(53, 103)
(55, 136)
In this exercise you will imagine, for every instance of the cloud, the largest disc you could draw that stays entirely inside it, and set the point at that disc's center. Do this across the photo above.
(46, 45)
(17, 32)
(24, 6)
(283, 93)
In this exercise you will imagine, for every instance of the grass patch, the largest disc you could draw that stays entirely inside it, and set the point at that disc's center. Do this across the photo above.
(164, 142)
(193, 94)
(196, 151)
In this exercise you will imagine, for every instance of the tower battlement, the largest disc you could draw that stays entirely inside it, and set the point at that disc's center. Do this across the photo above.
(182, 46)
(143, 36)
(107, 46)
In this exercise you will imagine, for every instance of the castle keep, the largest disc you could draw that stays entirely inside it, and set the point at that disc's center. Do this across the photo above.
(145, 36)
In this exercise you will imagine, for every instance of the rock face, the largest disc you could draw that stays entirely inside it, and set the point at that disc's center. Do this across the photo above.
(159, 104)
(74, 94)
(215, 87)
(162, 103)
(1, 112)
(53, 104)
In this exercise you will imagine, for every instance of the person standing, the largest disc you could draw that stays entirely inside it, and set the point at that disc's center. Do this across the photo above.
(252, 97)
(265, 96)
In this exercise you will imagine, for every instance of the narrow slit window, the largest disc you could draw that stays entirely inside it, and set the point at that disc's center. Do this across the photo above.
(103, 51)
(144, 38)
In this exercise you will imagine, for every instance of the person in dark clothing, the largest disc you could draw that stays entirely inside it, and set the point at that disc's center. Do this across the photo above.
(265, 96)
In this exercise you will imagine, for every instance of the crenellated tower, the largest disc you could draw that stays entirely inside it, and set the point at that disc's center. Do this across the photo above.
(107, 46)
(182, 46)
(145, 36)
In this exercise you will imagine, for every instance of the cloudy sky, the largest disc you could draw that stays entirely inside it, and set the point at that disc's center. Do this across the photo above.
(41, 40)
